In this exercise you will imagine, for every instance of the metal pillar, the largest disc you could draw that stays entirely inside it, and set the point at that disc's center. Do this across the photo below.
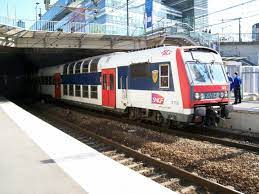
(239, 30)
(127, 17)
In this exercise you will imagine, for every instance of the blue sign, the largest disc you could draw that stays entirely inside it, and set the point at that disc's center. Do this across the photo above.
(149, 10)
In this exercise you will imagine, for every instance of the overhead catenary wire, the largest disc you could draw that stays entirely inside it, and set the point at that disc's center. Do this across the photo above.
(225, 9)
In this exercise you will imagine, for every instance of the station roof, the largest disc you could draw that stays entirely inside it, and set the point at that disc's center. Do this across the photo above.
(243, 60)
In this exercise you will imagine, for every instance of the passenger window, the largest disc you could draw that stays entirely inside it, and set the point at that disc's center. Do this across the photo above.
(85, 91)
(65, 69)
(45, 80)
(111, 82)
(94, 92)
(140, 70)
(94, 65)
(105, 82)
(71, 90)
(71, 68)
(85, 66)
(77, 67)
(78, 90)
(164, 76)
(65, 90)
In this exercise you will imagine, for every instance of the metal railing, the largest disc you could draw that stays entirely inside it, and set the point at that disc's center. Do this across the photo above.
(236, 37)
(71, 27)
(177, 28)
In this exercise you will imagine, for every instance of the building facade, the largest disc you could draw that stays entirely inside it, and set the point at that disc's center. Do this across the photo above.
(111, 16)
(255, 32)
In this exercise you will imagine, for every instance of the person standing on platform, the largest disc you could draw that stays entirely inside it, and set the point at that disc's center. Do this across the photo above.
(230, 81)
(236, 85)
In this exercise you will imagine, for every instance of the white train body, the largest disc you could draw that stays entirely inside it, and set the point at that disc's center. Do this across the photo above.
(153, 83)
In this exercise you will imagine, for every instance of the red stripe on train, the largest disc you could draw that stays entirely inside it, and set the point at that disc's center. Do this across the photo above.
(210, 88)
(183, 80)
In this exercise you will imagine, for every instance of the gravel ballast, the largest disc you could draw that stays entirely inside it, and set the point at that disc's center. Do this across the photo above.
(226, 165)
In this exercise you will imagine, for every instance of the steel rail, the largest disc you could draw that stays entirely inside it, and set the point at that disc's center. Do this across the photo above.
(169, 168)
(191, 135)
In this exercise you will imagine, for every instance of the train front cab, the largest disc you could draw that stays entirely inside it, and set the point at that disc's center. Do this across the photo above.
(204, 85)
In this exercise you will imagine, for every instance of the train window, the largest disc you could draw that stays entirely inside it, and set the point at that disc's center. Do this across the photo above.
(78, 90)
(94, 65)
(85, 66)
(94, 92)
(77, 67)
(45, 80)
(164, 76)
(138, 70)
(71, 90)
(65, 90)
(85, 92)
(111, 82)
(71, 68)
(50, 80)
(104, 82)
(65, 69)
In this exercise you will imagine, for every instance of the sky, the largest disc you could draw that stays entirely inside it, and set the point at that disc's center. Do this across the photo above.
(25, 9)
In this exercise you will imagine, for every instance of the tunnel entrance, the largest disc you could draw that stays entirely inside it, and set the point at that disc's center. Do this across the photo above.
(18, 67)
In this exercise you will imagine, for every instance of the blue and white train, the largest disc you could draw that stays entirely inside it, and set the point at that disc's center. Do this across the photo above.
(168, 83)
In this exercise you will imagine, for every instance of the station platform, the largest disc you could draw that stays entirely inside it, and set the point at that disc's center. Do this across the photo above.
(244, 119)
(39, 158)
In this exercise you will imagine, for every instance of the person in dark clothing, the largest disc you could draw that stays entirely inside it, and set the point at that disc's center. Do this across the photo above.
(236, 85)
(230, 80)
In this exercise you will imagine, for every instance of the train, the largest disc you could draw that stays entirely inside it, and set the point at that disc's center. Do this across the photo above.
(167, 85)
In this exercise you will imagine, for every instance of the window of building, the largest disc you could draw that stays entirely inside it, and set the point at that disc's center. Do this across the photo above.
(140, 70)
(94, 65)
(94, 92)
(65, 90)
(77, 67)
(71, 90)
(65, 69)
(78, 90)
(164, 76)
(71, 68)
(85, 92)
(85, 66)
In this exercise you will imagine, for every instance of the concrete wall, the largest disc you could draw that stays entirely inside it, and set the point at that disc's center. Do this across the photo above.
(249, 50)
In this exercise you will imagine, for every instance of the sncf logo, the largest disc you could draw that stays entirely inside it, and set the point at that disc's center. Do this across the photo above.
(166, 52)
(157, 99)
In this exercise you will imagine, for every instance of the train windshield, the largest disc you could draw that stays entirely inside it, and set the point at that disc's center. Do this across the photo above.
(206, 73)
(204, 66)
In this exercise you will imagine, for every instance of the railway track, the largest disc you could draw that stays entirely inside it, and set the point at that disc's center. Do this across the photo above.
(193, 133)
(164, 173)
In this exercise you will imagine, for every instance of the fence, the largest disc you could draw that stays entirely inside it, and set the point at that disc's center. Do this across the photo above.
(249, 76)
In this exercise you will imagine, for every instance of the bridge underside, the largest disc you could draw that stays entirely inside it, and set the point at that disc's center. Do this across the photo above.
(21, 38)
(40, 57)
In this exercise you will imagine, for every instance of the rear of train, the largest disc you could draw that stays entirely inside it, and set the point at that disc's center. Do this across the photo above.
(204, 84)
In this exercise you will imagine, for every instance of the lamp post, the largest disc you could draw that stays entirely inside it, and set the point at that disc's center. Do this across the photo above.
(37, 3)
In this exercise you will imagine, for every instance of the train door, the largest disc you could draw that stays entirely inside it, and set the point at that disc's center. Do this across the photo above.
(57, 84)
(109, 88)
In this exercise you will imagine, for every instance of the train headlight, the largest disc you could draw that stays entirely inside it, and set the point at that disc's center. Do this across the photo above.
(197, 96)
(226, 94)
(202, 96)
(222, 94)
